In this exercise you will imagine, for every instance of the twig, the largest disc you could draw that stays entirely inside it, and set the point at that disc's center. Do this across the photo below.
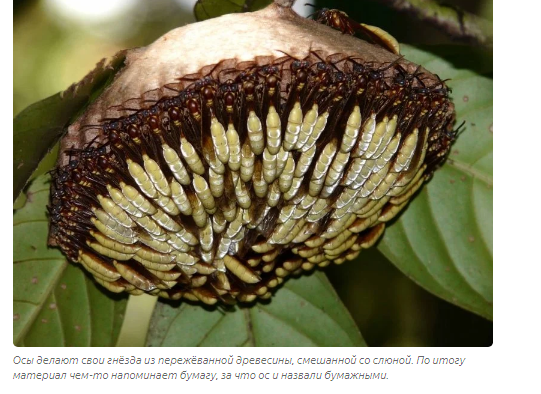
(455, 22)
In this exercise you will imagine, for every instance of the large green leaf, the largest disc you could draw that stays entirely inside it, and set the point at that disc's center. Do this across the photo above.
(305, 312)
(443, 241)
(38, 127)
(55, 303)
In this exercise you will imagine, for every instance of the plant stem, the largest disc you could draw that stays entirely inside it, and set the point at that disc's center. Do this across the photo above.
(136, 321)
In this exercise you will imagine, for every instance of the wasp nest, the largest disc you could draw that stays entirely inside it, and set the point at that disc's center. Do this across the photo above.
(234, 152)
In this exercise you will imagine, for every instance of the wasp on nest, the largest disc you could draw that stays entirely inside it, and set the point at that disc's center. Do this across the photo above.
(212, 169)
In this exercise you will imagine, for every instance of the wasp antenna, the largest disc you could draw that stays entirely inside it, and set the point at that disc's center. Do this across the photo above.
(91, 141)
(288, 55)
(189, 78)
(460, 128)
(393, 63)
(169, 87)
(416, 72)
(317, 55)
(215, 67)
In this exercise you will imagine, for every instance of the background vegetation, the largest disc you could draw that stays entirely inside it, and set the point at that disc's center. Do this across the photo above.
(443, 242)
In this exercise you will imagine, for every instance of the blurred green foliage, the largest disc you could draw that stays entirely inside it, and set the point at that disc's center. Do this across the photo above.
(51, 52)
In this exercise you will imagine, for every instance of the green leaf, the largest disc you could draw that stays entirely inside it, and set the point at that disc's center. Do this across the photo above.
(207, 9)
(443, 241)
(55, 303)
(38, 127)
(306, 311)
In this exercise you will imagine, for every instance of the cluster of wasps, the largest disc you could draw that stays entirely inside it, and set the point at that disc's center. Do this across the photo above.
(250, 174)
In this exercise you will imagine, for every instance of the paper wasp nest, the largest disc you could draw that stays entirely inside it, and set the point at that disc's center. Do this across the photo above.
(234, 152)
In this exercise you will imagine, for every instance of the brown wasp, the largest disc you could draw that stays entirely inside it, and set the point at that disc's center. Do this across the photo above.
(339, 20)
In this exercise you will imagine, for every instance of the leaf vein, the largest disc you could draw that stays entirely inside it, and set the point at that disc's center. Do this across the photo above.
(280, 319)
(198, 344)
